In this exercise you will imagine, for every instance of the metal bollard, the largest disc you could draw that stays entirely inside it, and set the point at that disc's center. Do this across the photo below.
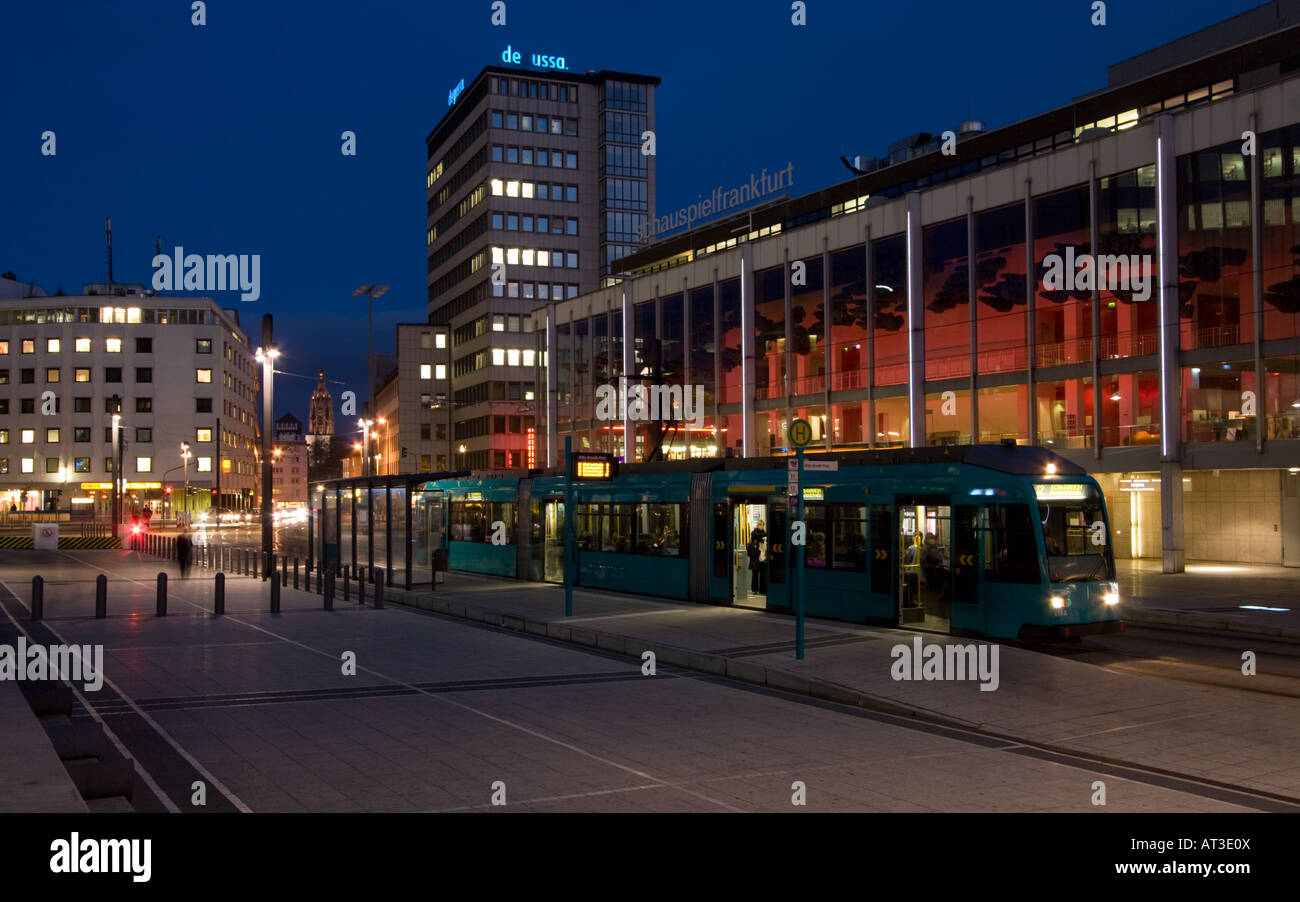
(347, 586)
(101, 597)
(379, 587)
(306, 577)
(328, 582)
(162, 594)
(275, 593)
(38, 597)
(219, 596)
(361, 590)
(295, 571)
(284, 568)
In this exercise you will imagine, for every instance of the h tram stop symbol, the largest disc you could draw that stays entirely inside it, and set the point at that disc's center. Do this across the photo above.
(800, 433)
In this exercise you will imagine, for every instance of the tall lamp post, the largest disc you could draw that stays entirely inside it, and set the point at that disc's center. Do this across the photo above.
(266, 356)
(371, 292)
(185, 458)
(117, 466)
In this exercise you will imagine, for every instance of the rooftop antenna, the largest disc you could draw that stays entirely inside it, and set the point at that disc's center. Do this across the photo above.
(108, 231)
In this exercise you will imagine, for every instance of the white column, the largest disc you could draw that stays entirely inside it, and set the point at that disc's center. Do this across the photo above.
(915, 325)
(1171, 471)
(747, 370)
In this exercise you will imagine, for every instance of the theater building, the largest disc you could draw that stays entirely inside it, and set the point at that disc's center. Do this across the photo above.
(1118, 279)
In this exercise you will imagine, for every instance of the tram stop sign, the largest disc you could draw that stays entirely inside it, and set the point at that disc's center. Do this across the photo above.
(800, 433)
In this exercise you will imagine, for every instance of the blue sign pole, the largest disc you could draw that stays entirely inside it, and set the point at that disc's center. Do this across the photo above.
(568, 526)
(798, 611)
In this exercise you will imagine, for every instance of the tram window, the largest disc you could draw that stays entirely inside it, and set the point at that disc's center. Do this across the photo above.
(505, 512)
(616, 528)
(468, 521)
(849, 537)
(836, 537)
(660, 529)
(586, 525)
(1010, 545)
(814, 518)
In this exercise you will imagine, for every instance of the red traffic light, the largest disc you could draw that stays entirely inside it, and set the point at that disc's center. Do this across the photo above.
(168, 490)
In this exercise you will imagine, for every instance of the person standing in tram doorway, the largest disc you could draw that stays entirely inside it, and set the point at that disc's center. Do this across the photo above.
(758, 560)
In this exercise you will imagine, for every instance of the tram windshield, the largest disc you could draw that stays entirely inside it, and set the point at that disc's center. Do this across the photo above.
(1075, 532)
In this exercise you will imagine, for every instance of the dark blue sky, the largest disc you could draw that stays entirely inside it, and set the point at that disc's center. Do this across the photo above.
(225, 138)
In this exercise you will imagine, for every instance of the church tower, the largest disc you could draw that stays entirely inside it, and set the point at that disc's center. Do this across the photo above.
(320, 419)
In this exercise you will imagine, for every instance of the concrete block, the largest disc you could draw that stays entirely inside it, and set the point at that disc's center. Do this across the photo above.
(610, 642)
(668, 654)
(833, 692)
(779, 679)
(536, 627)
(560, 631)
(747, 671)
(715, 664)
(583, 637)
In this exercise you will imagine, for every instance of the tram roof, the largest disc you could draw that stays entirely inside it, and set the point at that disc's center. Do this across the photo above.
(1021, 460)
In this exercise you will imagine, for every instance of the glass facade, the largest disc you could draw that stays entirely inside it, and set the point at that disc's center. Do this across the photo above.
(1053, 338)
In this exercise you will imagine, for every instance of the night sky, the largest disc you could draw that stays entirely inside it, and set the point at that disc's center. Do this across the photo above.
(225, 139)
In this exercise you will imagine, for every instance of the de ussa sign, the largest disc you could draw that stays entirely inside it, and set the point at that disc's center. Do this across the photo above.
(539, 60)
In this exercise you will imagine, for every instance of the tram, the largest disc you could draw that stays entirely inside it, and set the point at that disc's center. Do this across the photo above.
(1000, 541)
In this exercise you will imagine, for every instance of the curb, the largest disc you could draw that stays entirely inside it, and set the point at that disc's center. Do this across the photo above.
(1219, 625)
(687, 659)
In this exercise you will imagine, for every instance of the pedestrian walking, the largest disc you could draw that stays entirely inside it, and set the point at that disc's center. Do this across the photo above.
(184, 552)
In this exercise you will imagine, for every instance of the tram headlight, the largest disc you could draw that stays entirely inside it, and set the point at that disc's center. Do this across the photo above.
(1057, 602)
(1111, 598)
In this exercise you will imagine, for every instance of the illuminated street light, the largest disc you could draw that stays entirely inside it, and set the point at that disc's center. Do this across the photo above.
(185, 457)
(371, 292)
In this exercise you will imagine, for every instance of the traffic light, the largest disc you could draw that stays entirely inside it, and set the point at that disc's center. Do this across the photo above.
(403, 451)
(167, 490)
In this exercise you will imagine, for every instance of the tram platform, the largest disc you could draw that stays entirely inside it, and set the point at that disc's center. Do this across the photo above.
(1230, 733)
(1237, 598)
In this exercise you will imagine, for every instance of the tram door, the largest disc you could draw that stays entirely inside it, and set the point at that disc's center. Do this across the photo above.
(751, 531)
(553, 541)
(925, 563)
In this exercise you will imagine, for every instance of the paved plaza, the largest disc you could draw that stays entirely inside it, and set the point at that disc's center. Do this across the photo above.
(484, 690)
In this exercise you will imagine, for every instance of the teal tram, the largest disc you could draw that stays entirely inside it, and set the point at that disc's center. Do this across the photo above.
(1001, 541)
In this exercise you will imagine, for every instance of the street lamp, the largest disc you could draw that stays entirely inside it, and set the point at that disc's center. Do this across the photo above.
(116, 506)
(266, 356)
(461, 449)
(371, 292)
(185, 457)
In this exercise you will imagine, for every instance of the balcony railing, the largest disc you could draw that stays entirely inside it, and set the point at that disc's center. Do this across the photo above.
(1218, 336)
(1130, 344)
